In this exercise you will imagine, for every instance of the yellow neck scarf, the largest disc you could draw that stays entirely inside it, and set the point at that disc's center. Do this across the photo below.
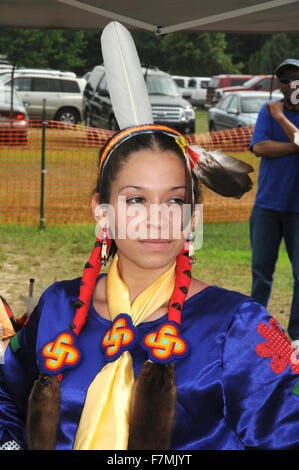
(104, 423)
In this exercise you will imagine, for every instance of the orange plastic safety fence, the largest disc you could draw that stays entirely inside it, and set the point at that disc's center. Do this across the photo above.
(71, 160)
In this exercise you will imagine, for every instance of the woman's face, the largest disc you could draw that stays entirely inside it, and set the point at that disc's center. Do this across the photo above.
(147, 197)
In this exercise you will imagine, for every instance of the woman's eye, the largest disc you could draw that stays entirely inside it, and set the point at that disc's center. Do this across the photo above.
(135, 200)
(177, 200)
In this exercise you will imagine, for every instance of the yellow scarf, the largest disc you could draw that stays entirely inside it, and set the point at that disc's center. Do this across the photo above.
(104, 423)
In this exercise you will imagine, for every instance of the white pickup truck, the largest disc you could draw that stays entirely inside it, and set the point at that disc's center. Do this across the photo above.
(193, 89)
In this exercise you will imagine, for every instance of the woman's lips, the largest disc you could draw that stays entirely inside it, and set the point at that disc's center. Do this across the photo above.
(156, 244)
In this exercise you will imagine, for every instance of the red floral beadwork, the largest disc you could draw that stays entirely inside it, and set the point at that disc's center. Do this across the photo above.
(278, 346)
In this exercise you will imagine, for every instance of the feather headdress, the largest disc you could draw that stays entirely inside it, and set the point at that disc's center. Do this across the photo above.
(221, 173)
(126, 84)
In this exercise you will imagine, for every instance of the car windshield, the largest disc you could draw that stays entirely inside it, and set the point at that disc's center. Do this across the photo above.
(4, 76)
(252, 104)
(251, 81)
(214, 82)
(5, 97)
(161, 85)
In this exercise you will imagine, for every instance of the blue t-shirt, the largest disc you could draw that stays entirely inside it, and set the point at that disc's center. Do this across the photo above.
(278, 180)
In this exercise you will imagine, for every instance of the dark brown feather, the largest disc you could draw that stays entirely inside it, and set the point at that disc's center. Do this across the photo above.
(43, 413)
(153, 407)
(223, 174)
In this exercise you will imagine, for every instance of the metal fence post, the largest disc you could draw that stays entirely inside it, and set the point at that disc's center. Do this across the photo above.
(43, 170)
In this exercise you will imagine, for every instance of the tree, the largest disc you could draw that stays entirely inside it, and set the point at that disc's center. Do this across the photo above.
(35, 48)
(197, 54)
(273, 52)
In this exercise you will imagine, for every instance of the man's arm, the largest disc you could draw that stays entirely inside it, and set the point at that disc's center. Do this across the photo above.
(272, 148)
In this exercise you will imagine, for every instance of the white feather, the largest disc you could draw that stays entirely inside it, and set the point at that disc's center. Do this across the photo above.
(126, 84)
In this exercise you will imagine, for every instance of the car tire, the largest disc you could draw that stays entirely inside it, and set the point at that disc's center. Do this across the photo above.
(67, 116)
(212, 127)
(91, 133)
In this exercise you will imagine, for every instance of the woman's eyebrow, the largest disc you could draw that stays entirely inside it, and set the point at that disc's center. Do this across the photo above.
(131, 186)
(174, 188)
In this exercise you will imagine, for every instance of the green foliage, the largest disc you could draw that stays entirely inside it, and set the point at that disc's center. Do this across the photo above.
(56, 49)
(273, 52)
(186, 53)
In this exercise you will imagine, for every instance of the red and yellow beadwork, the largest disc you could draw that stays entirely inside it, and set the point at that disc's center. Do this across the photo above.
(60, 353)
(120, 337)
(165, 344)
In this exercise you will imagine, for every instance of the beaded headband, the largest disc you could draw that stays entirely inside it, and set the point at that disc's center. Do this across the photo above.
(132, 131)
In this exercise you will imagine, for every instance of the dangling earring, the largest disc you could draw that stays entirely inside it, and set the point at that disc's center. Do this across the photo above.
(192, 257)
(104, 253)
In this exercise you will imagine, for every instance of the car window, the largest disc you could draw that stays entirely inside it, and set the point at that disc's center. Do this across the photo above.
(45, 84)
(223, 104)
(264, 84)
(21, 83)
(204, 84)
(179, 82)
(5, 97)
(69, 86)
(192, 83)
(5, 76)
(252, 104)
(102, 88)
(251, 81)
(234, 103)
(161, 85)
(237, 81)
(214, 82)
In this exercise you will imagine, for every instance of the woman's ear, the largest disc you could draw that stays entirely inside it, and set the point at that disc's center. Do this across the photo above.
(95, 202)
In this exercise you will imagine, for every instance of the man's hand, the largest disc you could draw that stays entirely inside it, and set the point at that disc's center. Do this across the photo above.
(275, 108)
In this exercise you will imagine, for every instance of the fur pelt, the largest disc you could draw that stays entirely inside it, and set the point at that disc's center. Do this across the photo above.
(153, 407)
(43, 413)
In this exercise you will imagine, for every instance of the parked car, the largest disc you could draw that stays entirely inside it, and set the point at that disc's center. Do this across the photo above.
(238, 109)
(256, 83)
(13, 117)
(62, 91)
(182, 84)
(198, 87)
(193, 89)
(168, 106)
(223, 81)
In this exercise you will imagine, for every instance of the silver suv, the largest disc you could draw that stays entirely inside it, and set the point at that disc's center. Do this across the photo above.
(62, 92)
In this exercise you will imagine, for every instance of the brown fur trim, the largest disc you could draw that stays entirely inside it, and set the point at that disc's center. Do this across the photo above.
(153, 407)
(43, 413)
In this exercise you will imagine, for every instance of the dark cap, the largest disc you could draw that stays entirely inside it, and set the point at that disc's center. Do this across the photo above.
(286, 64)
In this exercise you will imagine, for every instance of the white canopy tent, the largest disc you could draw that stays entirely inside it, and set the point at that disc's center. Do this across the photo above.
(158, 16)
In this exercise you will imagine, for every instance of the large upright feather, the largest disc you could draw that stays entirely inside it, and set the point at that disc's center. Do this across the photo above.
(126, 84)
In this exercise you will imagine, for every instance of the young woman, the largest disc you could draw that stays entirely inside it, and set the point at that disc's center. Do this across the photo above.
(147, 357)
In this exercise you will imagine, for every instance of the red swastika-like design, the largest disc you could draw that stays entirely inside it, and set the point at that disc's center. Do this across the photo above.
(278, 347)
(119, 336)
(60, 352)
(165, 343)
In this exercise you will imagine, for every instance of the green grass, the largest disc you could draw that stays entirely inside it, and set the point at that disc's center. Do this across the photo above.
(58, 253)
(201, 116)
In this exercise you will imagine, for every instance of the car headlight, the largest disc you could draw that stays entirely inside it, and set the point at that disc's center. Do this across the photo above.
(188, 114)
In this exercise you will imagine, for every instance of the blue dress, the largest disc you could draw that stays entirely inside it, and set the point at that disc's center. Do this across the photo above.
(229, 396)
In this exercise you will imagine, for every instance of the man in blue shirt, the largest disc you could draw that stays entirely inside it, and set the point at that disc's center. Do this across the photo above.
(275, 215)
